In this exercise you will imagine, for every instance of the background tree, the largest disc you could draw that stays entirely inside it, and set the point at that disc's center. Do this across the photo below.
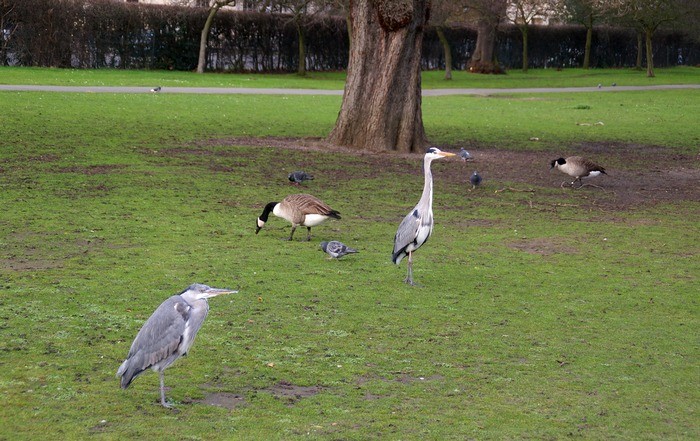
(381, 107)
(487, 14)
(214, 6)
(300, 13)
(648, 15)
(584, 12)
(442, 14)
(523, 15)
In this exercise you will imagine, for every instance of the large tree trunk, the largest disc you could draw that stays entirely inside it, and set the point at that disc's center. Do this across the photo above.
(650, 53)
(484, 58)
(381, 107)
(202, 62)
(447, 51)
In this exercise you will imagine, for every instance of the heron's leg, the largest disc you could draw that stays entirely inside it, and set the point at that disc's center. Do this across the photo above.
(409, 277)
(162, 391)
(308, 234)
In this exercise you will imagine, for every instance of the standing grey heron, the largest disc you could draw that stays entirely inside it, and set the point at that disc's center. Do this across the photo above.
(168, 334)
(577, 167)
(416, 227)
(299, 209)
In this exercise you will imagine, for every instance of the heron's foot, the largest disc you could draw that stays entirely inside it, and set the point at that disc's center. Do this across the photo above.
(409, 281)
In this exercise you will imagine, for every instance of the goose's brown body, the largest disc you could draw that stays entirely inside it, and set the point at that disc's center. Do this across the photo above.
(300, 210)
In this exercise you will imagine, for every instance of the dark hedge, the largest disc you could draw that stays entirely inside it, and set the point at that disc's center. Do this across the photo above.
(106, 33)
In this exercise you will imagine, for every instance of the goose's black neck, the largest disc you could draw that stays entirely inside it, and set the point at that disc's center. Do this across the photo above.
(266, 212)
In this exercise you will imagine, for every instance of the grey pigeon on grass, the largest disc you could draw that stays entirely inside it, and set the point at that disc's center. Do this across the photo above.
(336, 249)
(298, 177)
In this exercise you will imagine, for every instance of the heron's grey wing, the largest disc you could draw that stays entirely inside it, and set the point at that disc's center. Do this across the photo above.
(157, 340)
(407, 232)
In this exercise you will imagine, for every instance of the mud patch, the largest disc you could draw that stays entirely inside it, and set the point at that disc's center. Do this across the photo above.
(292, 393)
(91, 170)
(224, 399)
(543, 246)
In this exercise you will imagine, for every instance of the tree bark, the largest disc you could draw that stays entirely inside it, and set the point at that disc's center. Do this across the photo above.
(484, 58)
(381, 107)
(301, 66)
(448, 52)
(650, 53)
(202, 61)
(524, 32)
(640, 50)
(589, 41)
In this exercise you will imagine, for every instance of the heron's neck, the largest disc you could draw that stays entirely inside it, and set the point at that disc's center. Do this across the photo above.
(427, 197)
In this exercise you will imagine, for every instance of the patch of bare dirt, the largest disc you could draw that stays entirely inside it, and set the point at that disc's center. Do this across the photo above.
(292, 393)
(224, 399)
(638, 175)
(543, 246)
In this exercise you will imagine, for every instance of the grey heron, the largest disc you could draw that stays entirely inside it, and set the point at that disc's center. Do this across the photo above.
(416, 227)
(475, 179)
(577, 167)
(168, 334)
(336, 249)
(298, 177)
(299, 209)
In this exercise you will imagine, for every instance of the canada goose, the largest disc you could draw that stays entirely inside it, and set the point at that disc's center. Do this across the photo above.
(416, 227)
(299, 209)
(577, 167)
(156, 89)
(475, 179)
(298, 177)
(337, 249)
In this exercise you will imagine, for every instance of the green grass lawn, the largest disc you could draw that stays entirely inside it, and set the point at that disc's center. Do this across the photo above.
(336, 80)
(114, 202)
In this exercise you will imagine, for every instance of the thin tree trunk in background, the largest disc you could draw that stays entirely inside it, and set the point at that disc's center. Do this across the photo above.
(202, 61)
(650, 53)
(524, 31)
(447, 51)
(640, 50)
(381, 107)
(589, 40)
(301, 66)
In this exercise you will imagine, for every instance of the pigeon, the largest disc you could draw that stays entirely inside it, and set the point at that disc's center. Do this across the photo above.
(465, 155)
(298, 177)
(337, 249)
(156, 89)
(475, 179)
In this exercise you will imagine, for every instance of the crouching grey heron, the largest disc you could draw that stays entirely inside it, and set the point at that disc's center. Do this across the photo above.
(168, 334)
(416, 227)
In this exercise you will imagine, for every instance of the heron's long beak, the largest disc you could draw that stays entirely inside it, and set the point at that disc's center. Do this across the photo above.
(213, 292)
(446, 154)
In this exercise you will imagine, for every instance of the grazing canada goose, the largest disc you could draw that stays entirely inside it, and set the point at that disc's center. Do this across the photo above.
(577, 167)
(298, 177)
(299, 209)
(475, 179)
(337, 249)
(465, 155)
(416, 227)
